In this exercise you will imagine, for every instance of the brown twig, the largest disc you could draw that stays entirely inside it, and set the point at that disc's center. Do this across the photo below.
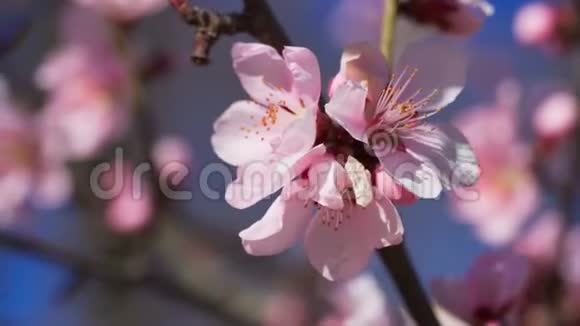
(397, 261)
(257, 20)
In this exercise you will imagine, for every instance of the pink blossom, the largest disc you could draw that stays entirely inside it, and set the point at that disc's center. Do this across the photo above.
(360, 20)
(89, 90)
(348, 222)
(556, 116)
(27, 175)
(535, 24)
(359, 301)
(507, 191)
(285, 309)
(131, 209)
(73, 62)
(122, 9)
(389, 114)
(171, 149)
(491, 288)
(270, 133)
(540, 242)
(80, 119)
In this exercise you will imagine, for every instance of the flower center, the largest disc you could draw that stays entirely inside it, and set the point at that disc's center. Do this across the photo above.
(334, 218)
(399, 107)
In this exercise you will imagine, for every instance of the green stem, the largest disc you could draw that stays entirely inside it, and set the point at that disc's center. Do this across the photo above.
(388, 28)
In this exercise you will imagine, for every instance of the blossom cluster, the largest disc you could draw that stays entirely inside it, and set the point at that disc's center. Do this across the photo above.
(90, 91)
(342, 166)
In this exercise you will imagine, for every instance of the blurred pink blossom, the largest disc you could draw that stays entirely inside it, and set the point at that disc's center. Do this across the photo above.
(123, 10)
(89, 89)
(536, 24)
(80, 119)
(27, 174)
(507, 192)
(131, 209)
(360, 20)
(540, 242)
(490, 289)
(170, 149)
(285, 309)
(344, 232)
(389, 115)
(270, 133)
(359, 301)
(557, 116)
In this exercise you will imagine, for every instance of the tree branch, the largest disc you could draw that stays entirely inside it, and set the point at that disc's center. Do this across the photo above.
(397, 261)
(257, 20)
(102, 271)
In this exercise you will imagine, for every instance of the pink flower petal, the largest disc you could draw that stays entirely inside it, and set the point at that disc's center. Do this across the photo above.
(385, 227)
(363, 62)
(262, 71)
(328, 178)
(390, 189)
(306, 72)
(409, 31)
(421, 179)
(129, 214)
(283, 224)
(260, 179)
(469, 18)
(446, 149)
(80, 120)
(539, 242)
(237, 146)
(347, 107)
(123, 10)
(442, 65)
(171, 149)
(339, 252)
(557, 115)
(535, 24)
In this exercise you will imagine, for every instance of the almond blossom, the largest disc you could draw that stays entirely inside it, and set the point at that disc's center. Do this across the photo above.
(507, 192)
(557, 116)
(333, 207)
(488, 292)
(539, 243)
(123, 10)
(270, 133)
(388, 113)
(29, 174)
(88, 87)
(131, 209)
(536, 24)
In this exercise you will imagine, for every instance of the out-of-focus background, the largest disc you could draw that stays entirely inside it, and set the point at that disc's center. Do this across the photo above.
(186, 101)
